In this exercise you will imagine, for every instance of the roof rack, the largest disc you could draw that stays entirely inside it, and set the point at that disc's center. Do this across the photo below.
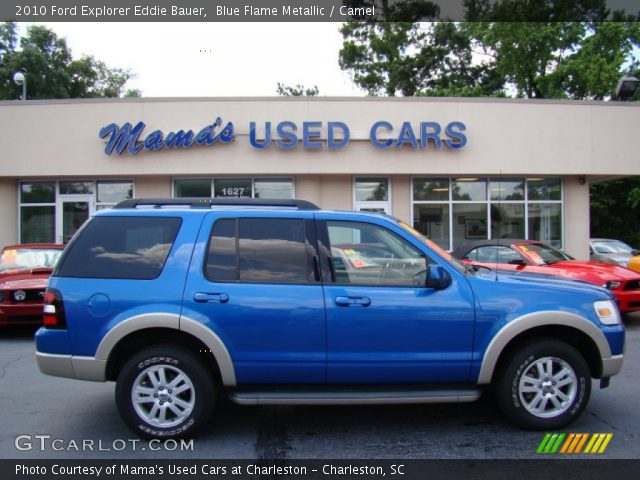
(194, 202)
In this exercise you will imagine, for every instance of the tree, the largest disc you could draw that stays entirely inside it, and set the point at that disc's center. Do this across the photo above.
(510, 47)
(51, 70)
(575, 60)
(615, 210)
(297, 91)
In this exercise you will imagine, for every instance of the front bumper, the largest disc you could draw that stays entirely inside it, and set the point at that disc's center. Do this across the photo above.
(628, 300)
(20, 314)
(69, 366)
(611, 366)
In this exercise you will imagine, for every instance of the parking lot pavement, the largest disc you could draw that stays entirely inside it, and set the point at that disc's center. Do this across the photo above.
(70, 412)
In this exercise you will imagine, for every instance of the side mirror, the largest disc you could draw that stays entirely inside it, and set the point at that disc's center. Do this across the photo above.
(437, 277)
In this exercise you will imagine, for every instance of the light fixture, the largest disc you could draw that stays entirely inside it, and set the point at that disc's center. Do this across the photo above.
(20, 78)
(626, 88)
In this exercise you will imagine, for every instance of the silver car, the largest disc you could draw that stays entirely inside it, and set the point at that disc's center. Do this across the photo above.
(609, 250)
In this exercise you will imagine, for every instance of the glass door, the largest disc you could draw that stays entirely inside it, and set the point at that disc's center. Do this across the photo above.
(74, 211)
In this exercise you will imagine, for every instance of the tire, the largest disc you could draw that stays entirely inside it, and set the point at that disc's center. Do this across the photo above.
(187, 407)
(544, 385)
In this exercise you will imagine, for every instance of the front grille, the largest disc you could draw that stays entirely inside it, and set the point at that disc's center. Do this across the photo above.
(632, 285)
(33, 296)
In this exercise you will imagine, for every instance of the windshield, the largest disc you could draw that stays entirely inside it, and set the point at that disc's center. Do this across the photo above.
(433, 246)
(543, 254)
(611, 246)
(29, 258)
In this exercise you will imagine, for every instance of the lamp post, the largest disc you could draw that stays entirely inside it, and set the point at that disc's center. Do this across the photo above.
(20, 78)
(627, 88)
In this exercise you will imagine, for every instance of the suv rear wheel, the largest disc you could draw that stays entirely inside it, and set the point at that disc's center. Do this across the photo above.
(165, 392)
(544, 385)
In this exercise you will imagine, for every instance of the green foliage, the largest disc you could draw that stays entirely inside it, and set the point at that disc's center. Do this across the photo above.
(523, 48)
(51, 70)
(559, 59)
(297, 91)
(615, 210)
(414, 59)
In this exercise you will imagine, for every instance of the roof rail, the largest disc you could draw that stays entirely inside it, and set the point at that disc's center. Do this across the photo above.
(195, 202)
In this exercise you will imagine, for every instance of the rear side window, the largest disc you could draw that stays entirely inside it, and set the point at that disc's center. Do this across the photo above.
(263, 250)
(120, 247)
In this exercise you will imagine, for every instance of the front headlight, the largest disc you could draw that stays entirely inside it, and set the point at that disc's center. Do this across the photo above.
(612, 285)
(607, 312)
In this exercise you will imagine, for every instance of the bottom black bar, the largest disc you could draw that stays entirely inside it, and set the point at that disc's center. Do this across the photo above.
(320, 469)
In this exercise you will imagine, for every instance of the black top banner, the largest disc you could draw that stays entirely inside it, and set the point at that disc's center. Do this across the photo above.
(316, 10)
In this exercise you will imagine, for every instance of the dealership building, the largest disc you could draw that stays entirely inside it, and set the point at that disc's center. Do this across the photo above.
(457, 169)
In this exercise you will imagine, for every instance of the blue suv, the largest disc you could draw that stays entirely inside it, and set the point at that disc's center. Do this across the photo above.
(279, 302)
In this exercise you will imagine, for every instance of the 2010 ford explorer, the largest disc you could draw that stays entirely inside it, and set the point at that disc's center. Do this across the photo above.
(279, 302)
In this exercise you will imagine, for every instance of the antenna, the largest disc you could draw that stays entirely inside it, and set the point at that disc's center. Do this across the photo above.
(498, 222)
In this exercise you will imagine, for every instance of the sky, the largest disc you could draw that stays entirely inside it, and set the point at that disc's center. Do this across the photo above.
(215, 59)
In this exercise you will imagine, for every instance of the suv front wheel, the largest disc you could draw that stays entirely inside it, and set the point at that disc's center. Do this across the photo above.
(165, 392)
(545, 385)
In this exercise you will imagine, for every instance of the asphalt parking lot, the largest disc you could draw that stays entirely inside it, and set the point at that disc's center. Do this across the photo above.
(61, 415)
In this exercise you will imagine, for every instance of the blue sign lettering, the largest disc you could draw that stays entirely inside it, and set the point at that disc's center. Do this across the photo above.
(332, 142)
(126, 136)
(287, 136)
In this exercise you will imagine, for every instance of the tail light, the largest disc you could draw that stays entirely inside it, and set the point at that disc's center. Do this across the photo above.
(54, 309)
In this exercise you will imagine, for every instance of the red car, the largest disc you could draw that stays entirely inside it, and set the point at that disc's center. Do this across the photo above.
(540, 258)
(24, 273)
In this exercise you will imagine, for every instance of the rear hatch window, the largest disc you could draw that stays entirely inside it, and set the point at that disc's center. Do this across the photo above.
(120, 247)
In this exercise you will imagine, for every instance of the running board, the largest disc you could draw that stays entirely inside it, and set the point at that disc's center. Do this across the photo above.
(353, 397)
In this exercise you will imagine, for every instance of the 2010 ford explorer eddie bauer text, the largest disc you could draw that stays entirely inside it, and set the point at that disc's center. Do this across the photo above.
(279, 302)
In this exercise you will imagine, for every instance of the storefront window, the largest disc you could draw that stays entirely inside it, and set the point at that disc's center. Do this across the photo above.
(111, 192)
(478, 209)
(543, 189)
(38, 192)
(76, 188)
(37, 224)
(47, 217)
(273, 188)
(197, 187)
(432, 220)
(431, 189)
(232, 188)
(507, 220)
(469, 189)
(469, 223)
(371, 194)
(545, 223)
(372, 189)
(506, 189)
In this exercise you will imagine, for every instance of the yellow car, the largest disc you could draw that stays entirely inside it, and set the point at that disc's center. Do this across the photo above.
(634, 263)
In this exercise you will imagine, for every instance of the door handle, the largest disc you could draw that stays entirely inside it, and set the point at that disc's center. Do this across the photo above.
(204, 297)
(353, 301)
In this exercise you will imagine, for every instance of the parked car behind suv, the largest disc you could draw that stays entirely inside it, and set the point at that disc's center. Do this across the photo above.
(24, 273)
(279, 302)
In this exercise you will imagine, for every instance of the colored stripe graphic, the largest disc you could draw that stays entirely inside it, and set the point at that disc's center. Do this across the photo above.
(550, 443)
(555, 443)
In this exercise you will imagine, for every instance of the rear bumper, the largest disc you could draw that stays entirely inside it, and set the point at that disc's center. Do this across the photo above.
(69, 366)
